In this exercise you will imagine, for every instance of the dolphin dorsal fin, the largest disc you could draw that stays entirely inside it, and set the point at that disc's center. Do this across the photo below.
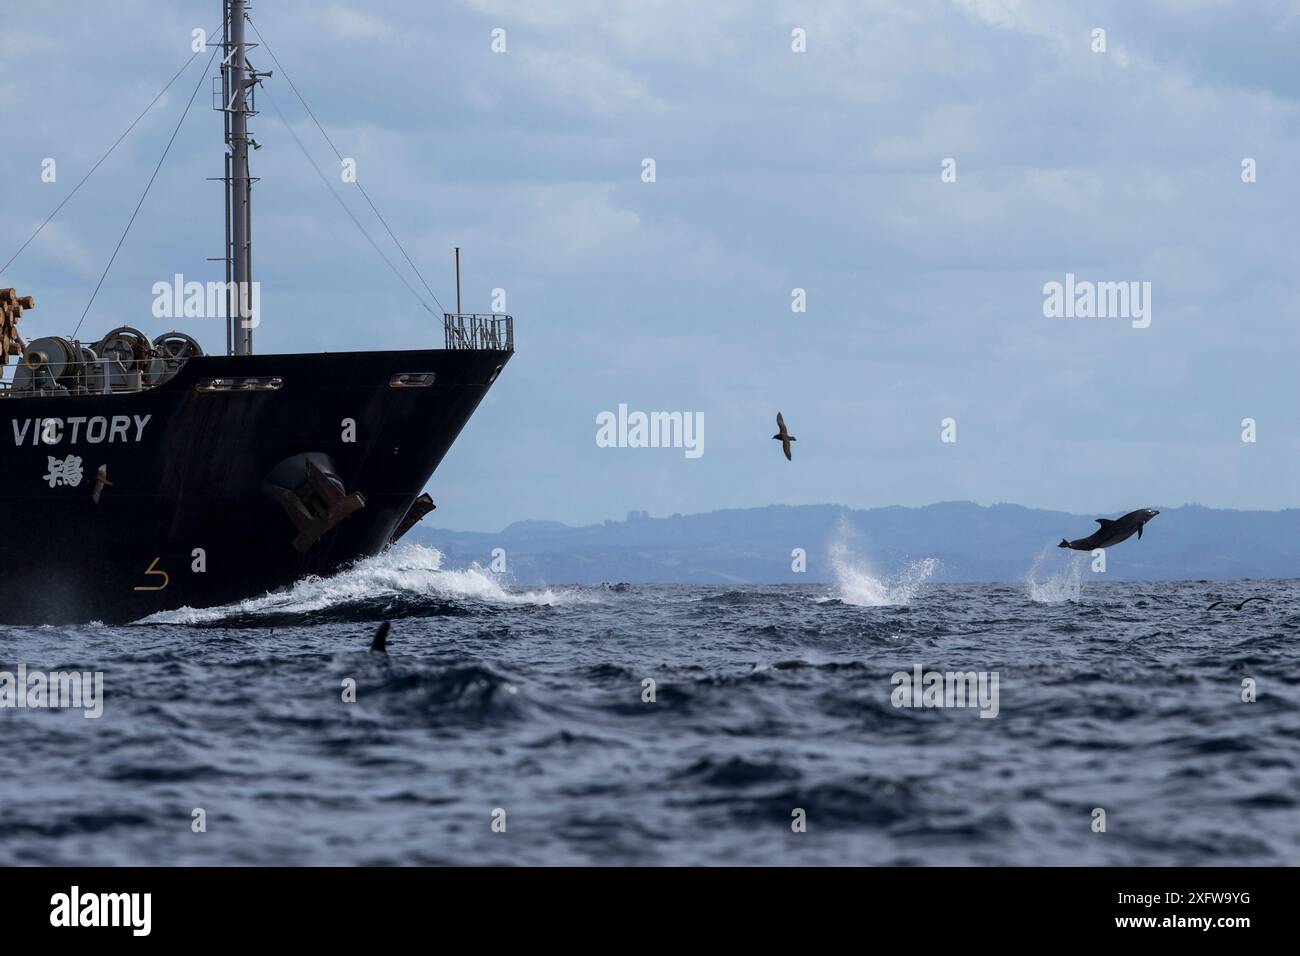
(1105, 521)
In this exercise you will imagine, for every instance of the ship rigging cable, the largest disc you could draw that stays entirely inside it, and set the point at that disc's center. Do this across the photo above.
(357, 183)
(100, 161)
(339, 199)
(148, 186)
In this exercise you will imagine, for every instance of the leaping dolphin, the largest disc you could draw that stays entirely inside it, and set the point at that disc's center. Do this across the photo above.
(1112, 532)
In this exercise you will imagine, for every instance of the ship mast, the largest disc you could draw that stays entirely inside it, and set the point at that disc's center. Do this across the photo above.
(237, 81)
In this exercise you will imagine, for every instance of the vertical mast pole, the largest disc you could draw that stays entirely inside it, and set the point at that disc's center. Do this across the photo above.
(240, 183)
(225, 119)
(458, 280)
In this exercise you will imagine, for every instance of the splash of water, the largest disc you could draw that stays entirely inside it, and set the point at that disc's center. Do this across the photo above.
(1051, 581)
(408, 570)
(856, 584)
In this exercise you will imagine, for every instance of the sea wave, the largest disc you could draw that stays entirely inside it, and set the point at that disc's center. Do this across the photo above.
(406, 580)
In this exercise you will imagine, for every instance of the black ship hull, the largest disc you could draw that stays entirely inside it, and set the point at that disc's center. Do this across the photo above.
(185, 518)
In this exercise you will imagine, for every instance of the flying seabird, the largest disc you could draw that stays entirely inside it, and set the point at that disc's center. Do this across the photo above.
(783, 436)
(1236, 607)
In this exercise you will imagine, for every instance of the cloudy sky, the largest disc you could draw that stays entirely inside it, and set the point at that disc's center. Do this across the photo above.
(775, 170)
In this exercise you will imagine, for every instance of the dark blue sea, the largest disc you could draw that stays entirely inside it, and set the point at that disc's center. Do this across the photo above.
(773, 713)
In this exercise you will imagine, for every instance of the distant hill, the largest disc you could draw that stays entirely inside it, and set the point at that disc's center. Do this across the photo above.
(971, 542)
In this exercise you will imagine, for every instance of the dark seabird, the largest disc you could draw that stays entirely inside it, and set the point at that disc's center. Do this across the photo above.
(783, 436)
(101, 482)
(1236, 607)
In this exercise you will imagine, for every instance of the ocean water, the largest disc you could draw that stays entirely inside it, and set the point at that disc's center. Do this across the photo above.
(771, 705)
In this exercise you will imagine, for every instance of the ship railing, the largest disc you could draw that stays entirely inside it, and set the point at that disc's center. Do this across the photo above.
(475, 330)
(103, 376)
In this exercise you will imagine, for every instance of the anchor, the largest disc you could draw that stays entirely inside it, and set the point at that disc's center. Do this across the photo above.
(316, 506)
(420, 507)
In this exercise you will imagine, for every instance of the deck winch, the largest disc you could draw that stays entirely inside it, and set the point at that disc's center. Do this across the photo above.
(124, 360)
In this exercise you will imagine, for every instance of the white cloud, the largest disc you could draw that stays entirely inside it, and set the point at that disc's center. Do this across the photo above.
(584, 83)
(351, 23)
(1003, 14)
(60, 242)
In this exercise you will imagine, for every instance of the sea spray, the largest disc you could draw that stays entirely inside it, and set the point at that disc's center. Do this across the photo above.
(1054, 577)
(856, 584)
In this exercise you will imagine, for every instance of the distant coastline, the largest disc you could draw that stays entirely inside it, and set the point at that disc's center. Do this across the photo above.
(968, 542)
